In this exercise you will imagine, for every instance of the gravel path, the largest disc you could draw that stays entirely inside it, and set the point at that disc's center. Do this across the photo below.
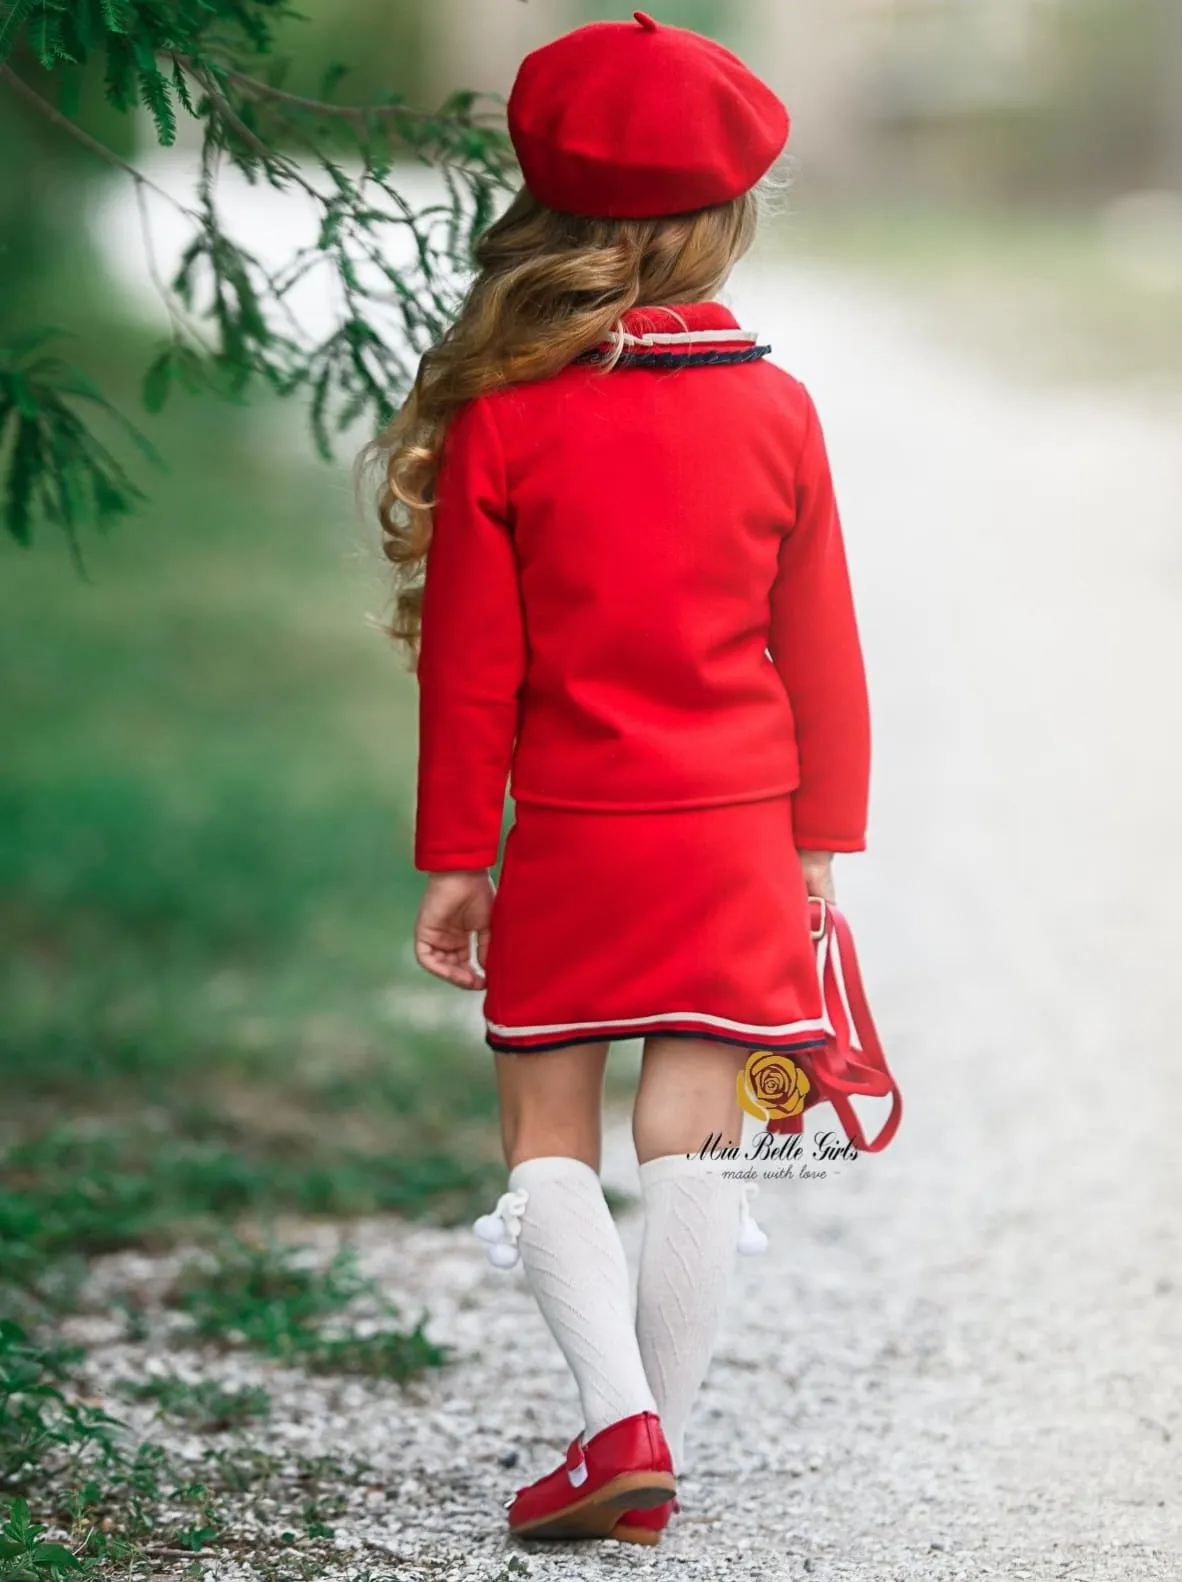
(963, 1359)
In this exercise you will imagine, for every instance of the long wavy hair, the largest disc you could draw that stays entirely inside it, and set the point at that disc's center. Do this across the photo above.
(549, 287)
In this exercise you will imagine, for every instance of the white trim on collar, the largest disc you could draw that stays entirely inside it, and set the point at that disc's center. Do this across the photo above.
(689, 338)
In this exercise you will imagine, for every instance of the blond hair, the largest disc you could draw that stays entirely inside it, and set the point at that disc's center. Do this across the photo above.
(549, 287)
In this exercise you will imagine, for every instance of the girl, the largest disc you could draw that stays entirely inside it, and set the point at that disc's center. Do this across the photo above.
(622, 571)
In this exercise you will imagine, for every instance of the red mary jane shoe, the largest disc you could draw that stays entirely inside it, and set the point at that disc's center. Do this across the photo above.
(624, 1468)
(644, 1527)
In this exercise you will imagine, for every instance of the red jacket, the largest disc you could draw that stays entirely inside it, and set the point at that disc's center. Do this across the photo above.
(637, 598)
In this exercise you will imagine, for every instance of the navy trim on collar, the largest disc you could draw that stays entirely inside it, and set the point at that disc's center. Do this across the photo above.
(707, 359)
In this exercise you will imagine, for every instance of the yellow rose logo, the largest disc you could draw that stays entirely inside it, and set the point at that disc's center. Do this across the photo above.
(771, 1086)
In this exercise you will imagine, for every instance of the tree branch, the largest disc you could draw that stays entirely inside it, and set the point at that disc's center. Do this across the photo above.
(54, 115)
(344, 112)
(268, 156)
(178, 320)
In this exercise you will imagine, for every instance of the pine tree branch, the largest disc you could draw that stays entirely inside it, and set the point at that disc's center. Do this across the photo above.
(11, 25)
(258, 89)
(181, 325)
(270, 159)
(55, 116)
(388, 311)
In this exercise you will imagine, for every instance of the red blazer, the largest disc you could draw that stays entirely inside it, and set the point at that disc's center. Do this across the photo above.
(637, 598)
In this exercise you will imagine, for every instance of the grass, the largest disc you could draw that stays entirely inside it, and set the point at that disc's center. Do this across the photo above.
(24, 1554)
(271, 1299)
(205, 1405)
(206, 892)
(36, 1414)
(68, 1194)
(205, 837)
(1041, 294)
(112, 1504)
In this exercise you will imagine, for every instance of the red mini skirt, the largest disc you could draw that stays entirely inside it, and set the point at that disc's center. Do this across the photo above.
(691, 922)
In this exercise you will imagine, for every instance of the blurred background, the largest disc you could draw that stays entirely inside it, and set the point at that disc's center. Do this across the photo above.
(208, 1001)
(209, 1012)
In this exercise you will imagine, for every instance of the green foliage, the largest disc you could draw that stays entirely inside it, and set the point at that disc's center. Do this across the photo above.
(11, 22)
(25, 1556)
(265, 1295)
(66, 1194)
(272, 1299)
(396, 268)
(205, 1405)
(36, 1415)
(56, 465)
(205, 884)
(124, 1507)
(391, 1353)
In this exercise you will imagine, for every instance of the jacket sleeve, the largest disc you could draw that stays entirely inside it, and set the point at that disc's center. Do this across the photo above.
(817, 651)
(472, 653)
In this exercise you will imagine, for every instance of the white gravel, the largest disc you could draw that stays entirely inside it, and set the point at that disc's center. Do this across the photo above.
(962, 1359)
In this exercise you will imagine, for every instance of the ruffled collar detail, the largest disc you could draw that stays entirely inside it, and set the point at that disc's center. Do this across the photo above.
(691, 333)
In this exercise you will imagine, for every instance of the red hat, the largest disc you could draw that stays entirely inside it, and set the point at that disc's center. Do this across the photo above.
(629, 120)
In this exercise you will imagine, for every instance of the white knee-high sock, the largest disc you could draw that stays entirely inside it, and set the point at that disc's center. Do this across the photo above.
(574, 1261)
(691, 1229)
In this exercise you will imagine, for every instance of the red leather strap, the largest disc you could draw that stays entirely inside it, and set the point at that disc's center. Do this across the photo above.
(838, 1070)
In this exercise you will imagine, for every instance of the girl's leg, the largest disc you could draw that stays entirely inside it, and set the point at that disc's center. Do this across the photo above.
(569, 1244)
(552, 1103)
(687, 1094)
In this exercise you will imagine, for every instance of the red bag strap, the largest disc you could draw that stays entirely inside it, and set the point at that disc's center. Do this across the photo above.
(839, 1070)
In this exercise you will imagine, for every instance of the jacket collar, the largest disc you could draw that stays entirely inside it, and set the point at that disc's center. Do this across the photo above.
(689, 316)
(690, 334)
(684, 325)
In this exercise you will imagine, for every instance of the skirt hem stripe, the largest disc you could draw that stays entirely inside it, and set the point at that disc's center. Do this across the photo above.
(539, 1044)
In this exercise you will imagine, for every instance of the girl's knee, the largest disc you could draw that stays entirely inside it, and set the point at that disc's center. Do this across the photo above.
(546, 1140)
(550, 1104)
(534, 1128)
(687, 1097)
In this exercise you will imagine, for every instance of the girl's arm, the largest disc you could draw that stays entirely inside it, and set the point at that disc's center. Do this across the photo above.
(816, 648)
(472, 653)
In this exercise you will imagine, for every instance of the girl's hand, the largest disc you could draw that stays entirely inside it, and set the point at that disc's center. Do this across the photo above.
(454, 907)
(817, 867)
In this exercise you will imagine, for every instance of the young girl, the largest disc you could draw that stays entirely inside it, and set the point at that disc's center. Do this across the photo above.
(622, 571)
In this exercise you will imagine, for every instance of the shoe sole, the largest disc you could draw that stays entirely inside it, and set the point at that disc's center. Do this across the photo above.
(597, 1514)
(626, 1534)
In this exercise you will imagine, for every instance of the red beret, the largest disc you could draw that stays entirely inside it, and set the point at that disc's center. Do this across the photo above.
(629, 120)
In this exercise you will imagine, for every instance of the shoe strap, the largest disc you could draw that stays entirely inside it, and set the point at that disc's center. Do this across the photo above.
(576, 1462)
